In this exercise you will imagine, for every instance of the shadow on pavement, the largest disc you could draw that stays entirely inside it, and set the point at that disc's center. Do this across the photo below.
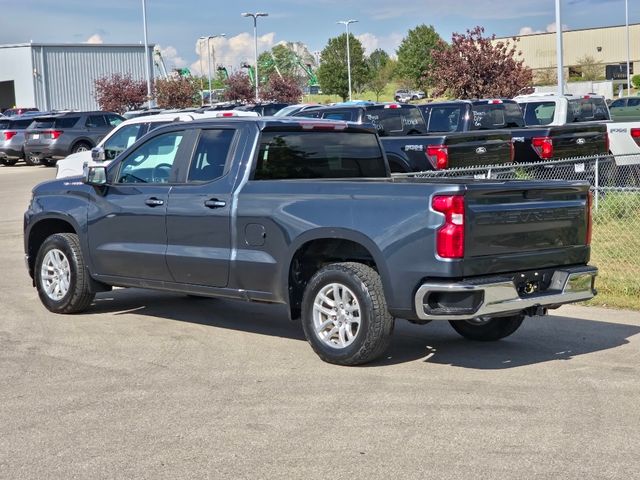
(540, 339)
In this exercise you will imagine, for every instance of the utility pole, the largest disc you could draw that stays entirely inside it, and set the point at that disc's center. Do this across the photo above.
(346, 23)
(255, 39)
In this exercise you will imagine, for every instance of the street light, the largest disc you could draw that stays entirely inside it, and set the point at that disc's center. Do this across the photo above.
(346, 23)
(147, 61)
(255, 38)
(626, 13)
(201, 73)
(208, 39)
(559, 60)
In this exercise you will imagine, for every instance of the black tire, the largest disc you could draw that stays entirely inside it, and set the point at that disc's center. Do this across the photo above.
(81, 147)
(376, 323)
(489, 331)
(79, 295)
(10, 163)
(49, 162)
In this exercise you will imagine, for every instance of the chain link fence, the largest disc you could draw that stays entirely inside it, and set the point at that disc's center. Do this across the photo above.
(615, 183)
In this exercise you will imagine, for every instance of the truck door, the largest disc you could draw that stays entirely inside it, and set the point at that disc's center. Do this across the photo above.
(198, 213)
(127, 223)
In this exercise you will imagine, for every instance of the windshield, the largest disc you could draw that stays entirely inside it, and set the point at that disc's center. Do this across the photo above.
(587, 109)
(286, 111)
(490, 116)
(444, 119)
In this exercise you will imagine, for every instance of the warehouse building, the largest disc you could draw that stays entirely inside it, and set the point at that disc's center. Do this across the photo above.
(62, 76)
(606, 46)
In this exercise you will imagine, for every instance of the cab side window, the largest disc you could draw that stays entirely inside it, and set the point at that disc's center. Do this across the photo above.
(152, 161)
(210, 158)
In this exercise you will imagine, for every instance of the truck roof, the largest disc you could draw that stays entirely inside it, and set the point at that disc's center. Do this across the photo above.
(287, 123)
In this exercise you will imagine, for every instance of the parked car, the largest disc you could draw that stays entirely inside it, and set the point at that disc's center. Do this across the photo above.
(405, 95)
(263, 109)
(126, 134)
(241, 208)
(53, 137)
(532, 143)
(626, 109)
(10, 112)
(12, 138)
(403, 133)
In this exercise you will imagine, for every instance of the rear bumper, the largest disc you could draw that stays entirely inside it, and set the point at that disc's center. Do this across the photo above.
(46, 151)
(496, 297)
(11, 153)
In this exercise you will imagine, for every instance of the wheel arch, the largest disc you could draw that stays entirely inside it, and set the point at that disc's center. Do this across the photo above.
(41, 230)
(317, 248)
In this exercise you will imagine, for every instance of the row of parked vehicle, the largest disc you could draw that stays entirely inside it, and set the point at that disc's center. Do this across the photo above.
(433, 136)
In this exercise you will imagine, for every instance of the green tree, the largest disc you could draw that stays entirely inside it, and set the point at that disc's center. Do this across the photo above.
(590, 68)
(415, 61)
(377, 60)
(332, 73)
(381, 78)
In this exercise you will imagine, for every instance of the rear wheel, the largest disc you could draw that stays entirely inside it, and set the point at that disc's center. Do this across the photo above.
(9, 163)
(344, 314)
(32, 161)
(488, 329)
(61, 275)
(81, 147)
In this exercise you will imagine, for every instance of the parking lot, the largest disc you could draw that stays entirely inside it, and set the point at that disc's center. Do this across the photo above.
(152, 385)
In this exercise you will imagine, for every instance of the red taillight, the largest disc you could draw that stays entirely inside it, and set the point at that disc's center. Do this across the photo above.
(438, 155)
(450, 237)
(226, 114)
(589, 217)
(392, 105)
(635, 134)
(54, 134)
(544, 147)
(9, 135)
(495, 102)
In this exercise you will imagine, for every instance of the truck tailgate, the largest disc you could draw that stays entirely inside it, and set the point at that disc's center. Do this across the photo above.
(479, 148)
(527, 217)
(579, 140)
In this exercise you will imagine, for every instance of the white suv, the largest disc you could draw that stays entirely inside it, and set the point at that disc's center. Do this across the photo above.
(128, 132)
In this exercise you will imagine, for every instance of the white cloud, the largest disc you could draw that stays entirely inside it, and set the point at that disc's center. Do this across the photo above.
(551, 28)
(388, 43)
(171, 58)
(95, 38)
(231, 51)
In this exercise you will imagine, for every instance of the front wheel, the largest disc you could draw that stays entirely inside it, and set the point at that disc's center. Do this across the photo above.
(344, 314)
(487, 329)
(61, 275)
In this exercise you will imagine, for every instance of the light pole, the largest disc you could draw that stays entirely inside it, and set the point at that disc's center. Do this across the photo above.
(146, 52)
(626, 15)
(346, 23)
(201, 73)
(559, 49)
(208, 38)
(255, 39)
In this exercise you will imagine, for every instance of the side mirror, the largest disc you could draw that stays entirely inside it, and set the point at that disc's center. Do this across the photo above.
(97, 154)
(95, 175)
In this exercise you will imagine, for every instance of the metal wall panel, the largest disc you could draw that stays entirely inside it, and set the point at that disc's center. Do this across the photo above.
(66, 74)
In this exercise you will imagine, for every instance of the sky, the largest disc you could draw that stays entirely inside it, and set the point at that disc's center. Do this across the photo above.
(176, 25)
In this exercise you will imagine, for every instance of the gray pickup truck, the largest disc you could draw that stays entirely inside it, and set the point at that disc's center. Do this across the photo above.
(305, 213)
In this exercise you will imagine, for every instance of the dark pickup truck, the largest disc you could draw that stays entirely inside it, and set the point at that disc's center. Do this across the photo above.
(305, 213)
(533, 142)
(411, 148)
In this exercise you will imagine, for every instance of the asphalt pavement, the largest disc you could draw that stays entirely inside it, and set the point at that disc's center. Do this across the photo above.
(149, 385)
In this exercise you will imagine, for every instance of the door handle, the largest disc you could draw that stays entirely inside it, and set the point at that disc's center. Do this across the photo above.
(154, 202)
(215, 203)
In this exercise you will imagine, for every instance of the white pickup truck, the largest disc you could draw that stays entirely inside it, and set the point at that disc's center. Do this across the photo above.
(552, 109)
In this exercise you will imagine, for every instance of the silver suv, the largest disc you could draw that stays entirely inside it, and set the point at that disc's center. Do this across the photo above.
(12, 138)
(52, 137)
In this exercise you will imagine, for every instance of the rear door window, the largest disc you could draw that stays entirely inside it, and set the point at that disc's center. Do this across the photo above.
(307, 155)
(633, 102)
(211, 155)
(95, 121)
(618, 103)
